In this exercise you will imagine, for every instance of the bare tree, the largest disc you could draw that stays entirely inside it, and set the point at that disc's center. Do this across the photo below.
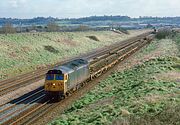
(33, 27)
(52, 27)
(8, 28)
(82, 28)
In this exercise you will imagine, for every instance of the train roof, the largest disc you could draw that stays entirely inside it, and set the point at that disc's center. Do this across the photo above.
(72, 65)
(63, 69)
(76, 63)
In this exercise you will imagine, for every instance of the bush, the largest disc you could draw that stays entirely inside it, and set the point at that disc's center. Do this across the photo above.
(51, 49)
(162, 34)
(82, 28)
(93, 38)
(8, 28)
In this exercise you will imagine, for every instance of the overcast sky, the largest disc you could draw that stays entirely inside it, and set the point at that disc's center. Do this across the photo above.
(80, 8)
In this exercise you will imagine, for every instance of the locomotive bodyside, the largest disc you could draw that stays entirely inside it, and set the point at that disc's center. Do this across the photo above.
(80, 73)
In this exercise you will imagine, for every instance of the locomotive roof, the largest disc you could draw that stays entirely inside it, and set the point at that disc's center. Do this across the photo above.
(76, 63)
(70, 66)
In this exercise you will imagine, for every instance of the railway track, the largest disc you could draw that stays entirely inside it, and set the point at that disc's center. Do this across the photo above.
(29, 108)
(12, 84)
(10, 111)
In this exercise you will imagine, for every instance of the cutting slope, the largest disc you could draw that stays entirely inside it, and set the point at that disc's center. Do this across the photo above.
(20, 53)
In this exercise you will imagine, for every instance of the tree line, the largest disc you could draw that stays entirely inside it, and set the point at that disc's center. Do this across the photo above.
(8, 28)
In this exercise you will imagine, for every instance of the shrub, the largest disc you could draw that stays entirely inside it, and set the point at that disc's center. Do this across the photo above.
(51, 49)
(164, 33)
(93, 38)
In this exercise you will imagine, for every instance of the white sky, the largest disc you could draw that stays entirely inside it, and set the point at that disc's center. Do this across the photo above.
(80, 8)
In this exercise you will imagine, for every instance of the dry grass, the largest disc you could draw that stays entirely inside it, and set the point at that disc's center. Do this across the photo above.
(159, 48)
(170, 116)
(173, 76)
(20, 53)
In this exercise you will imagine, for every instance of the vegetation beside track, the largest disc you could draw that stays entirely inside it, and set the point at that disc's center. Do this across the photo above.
(148, 93)
(21, 53)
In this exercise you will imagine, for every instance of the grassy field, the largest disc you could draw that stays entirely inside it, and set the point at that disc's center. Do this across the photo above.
(146, 94)
(20, 53)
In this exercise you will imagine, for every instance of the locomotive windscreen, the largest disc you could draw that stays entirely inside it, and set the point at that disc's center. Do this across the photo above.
(54, 75)
(59, 77)
(49, 76)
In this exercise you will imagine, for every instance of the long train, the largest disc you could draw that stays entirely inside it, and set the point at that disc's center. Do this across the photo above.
(64, 79)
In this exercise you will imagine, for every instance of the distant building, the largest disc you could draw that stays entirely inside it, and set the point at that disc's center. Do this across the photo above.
(33, 31)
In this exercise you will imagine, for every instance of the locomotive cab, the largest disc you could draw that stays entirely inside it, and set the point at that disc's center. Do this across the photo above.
(55, 83)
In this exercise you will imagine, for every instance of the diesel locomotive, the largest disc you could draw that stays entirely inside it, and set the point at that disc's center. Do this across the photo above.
(60, 80)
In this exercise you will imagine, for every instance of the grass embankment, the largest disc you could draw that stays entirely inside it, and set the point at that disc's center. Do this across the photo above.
(20, 53)
(140, 95)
